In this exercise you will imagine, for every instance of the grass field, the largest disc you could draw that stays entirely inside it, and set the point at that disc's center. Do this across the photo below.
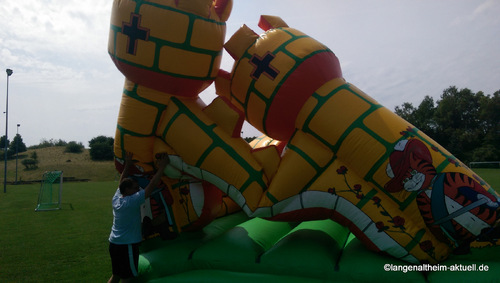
(75, 165)
(69, 245)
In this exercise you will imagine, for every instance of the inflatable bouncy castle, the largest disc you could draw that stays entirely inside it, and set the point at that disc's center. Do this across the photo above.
(334, 167)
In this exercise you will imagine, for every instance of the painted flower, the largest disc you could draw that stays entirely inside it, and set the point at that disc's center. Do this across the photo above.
(398, 221)
(453, 161)
(331, 191)
(360, 196)
(376, 200)
(342, 170)
(381, 226)
(426, 246)
(357, 187)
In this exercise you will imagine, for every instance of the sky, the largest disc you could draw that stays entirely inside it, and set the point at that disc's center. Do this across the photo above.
(65, 86)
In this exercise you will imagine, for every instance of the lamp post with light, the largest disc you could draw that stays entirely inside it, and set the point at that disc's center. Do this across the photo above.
(9, 73)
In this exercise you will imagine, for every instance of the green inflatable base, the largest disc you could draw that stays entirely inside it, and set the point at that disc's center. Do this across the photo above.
(238, 249)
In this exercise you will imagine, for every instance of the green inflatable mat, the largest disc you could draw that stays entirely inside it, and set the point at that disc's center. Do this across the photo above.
(235, 248)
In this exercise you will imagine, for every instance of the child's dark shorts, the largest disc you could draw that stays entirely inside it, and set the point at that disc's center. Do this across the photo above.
(124, 259)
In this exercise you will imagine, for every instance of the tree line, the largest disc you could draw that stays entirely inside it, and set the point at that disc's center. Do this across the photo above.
(465, 123)
(101, 148)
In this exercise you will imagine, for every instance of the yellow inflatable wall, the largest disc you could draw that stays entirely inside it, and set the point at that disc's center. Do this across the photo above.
(170, 51)
(348, 158)
(331, 151)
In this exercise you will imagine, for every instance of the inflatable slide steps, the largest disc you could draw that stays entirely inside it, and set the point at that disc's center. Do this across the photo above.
(238, 249)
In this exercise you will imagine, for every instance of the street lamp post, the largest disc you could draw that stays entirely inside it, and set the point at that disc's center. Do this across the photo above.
(9, 73)
(17, 148)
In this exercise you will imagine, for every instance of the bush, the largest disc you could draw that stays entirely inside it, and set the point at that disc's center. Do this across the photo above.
(30, 164)
(101, 148)
(10, 154)
(101, 151)
(49, 143)
(486, 153)
(74, 147)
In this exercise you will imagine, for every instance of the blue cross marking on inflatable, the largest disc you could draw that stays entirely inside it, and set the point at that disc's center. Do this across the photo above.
(134, 32)
(263, 66)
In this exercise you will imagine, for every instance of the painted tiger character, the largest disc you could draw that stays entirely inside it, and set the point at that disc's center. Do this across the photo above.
(454, 206)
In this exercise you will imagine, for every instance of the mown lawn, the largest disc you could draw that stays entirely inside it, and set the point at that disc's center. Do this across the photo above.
(491, 176)
(70, 245)
(67, 245)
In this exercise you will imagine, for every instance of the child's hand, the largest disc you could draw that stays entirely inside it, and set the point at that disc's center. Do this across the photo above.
(164, 160)
(128, 159)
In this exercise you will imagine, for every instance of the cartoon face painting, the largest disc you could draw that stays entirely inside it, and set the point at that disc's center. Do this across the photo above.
(411, 169)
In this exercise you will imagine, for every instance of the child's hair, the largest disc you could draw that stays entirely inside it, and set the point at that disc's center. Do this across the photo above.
(125, 184)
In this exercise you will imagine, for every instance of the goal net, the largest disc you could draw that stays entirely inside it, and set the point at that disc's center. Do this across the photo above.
(49, 197)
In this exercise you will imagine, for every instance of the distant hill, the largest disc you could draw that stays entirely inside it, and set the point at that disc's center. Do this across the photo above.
(76, 166)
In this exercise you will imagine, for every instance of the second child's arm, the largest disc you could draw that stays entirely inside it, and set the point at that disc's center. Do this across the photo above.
(164, 161)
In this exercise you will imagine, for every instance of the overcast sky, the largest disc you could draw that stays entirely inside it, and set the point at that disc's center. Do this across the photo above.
(65, 86)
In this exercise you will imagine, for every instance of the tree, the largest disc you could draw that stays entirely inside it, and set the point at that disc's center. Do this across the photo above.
(10, 152)
(457, 116)
(406, 111)
(74, 147)
(421, 117)
(490, 117)
(249, 139)
(424, 116)
(2, 142)
(101, 139)
(17, 142)
(486, 152)
(465, 123)
(101, 148)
